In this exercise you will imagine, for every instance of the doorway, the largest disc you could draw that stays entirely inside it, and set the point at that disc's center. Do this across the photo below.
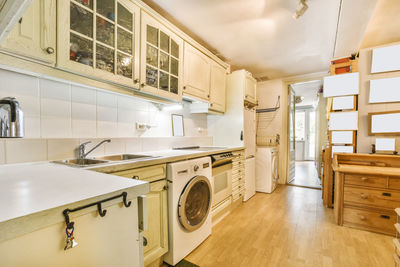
(304, 98)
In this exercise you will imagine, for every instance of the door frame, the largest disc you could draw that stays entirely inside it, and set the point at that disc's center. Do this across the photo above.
(285, 116)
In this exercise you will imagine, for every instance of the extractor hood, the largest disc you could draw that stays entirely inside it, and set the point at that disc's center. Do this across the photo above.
(11, 12)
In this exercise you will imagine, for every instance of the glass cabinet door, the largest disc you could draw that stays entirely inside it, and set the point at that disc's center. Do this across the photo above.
(162, 59)
(102, 40)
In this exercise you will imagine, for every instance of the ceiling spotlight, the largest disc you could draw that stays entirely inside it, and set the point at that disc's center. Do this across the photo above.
(301, 8)
(298, 99)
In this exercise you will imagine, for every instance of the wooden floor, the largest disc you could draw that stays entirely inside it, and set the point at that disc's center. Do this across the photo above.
(290, 227)
(306, 174)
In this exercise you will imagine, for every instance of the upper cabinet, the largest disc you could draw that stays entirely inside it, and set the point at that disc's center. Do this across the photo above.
(196, 76)
(161, 59)
(250, 92)
(99, 38)
(217, 87)
(34, 36)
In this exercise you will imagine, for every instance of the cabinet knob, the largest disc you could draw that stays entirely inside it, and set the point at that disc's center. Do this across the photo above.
(362, 218)
(135, 81)
(211, 104)
(135, 177)
(142, 85)
(50, 50)
(144, 241)
(364, 196)
(184, 88)
(208, 96)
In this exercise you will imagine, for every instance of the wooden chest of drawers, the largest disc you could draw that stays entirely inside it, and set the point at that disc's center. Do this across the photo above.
(366, 195)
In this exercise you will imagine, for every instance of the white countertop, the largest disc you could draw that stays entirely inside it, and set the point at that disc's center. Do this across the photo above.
(33, 187)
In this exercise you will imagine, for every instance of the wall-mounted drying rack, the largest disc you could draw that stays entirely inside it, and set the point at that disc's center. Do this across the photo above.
(277, 106)
(102, 212)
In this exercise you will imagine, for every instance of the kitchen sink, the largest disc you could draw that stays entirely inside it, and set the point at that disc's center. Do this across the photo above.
(123, 157)
(80, 162)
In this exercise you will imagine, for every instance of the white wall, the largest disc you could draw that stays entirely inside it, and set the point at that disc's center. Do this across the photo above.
(59, 115)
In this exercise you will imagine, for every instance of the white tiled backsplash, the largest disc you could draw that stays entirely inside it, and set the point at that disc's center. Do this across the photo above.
(59, 115)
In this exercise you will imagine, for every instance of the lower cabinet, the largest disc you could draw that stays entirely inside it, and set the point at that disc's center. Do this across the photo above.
(155, 238)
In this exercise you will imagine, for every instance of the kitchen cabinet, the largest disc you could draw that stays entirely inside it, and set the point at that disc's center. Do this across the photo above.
(196, 75)
(99, 39)
(217, 87)
(238, 173)
(155, 238)
(161, 59)
(250, 91)
(34, 36)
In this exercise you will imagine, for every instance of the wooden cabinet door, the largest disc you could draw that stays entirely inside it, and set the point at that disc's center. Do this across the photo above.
(250, 91)
(196, 74)
(217, 87)
(161, 59)
(99, 39)
(156, 236)
(34, 37)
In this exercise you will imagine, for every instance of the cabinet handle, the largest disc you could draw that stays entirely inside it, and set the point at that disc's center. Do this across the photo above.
(135, 81)
(364, 179)
(144, 241)
(208, 96)
(386, 194)
(387, 217)
(142, 85)
(184, 88)
(362, 218)
(20, 20)
(135, 177)
(364, 196)
(211, 104)
(50, 50)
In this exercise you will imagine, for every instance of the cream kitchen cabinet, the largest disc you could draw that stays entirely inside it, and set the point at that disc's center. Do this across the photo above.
(155, 238)
(161, 59)
(99, 39)
(217, 87)
(196, 74)
(34, 36)
(250, 91)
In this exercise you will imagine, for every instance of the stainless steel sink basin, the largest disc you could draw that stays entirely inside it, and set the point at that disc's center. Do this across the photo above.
(123, 157)
(80, 162)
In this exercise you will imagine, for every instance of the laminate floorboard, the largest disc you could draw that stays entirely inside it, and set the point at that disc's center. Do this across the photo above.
(290, 227)
(306, 174)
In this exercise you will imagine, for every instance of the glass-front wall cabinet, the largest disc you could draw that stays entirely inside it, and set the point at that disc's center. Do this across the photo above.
(161, 59)
(100, 38)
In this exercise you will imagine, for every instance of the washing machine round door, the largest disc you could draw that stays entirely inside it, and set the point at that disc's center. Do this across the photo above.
(195, 203)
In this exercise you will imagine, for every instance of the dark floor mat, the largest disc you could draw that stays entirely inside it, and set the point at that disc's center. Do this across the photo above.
(184, 263)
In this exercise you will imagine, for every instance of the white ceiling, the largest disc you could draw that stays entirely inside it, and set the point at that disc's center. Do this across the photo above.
(308, 90)
(263, 37)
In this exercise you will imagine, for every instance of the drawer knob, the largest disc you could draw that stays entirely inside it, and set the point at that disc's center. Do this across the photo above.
(387, 217)
(50, 50)
(364, 179)
(135, 177)
(362, 218)
(364, 196)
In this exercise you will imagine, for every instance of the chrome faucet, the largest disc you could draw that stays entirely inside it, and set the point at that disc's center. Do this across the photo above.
(11, 118)
(82, 148)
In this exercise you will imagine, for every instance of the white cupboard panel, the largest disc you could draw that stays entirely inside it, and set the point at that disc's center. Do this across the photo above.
(385, 144)
(342, 149)
(342, 84)
(384, 90)
(385, 123)
(343, 102)
(386, 59)
(342, 137)
(343, 121)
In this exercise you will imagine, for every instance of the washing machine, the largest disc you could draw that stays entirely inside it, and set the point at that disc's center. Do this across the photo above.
(189, 206)
(266, 169)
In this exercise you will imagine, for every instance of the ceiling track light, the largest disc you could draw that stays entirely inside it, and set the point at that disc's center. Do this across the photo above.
(301, 9)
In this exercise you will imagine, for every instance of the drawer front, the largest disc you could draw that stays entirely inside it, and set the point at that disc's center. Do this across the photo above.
(394, 183)
(382, 222)
(150, 174)
(366, 180)
(372, 197)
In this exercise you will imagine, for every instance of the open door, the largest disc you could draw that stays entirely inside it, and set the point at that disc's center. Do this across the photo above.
(292, 142)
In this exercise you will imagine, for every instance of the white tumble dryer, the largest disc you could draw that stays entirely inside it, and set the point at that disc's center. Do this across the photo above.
(266, 169)
(189, 206)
